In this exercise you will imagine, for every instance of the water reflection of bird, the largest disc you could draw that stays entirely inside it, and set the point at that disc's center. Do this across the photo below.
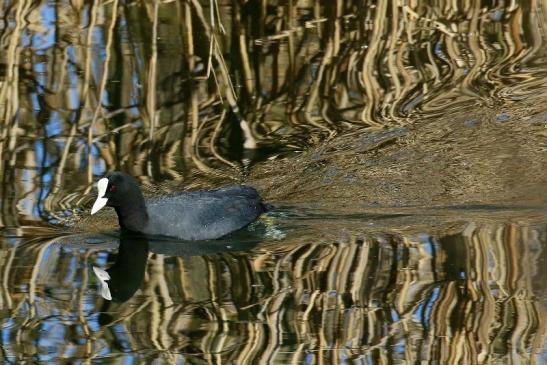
(124, 278)
(120, 282)
(198, 215)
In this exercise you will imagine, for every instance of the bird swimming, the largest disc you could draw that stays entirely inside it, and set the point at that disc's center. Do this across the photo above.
(196, 215)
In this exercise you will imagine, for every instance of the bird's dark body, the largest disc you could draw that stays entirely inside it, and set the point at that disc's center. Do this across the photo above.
(202, 215)
(197, 215)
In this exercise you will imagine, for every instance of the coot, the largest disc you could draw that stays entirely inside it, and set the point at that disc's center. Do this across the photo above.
(197, 215)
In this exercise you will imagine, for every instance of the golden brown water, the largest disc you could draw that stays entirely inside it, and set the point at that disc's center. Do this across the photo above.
(403, 143)
(337, 289)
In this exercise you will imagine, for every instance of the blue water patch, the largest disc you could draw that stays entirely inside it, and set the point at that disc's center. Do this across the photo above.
(54, 126)
(423, 310)
(470, 123)
(503, 117)
(46, 40)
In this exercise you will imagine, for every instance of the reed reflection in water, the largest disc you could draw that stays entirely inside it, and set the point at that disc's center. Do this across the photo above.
(471, 295)
(195, 91)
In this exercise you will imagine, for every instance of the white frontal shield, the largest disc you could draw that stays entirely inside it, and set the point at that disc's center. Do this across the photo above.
(101, 200)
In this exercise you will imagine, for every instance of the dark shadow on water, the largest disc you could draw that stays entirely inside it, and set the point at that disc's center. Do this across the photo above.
(120, 281)
(127, 272)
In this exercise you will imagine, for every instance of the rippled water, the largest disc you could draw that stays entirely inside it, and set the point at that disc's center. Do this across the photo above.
(319, 288)
(403, 145)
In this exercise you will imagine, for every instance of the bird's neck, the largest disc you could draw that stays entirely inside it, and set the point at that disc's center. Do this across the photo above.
(133, 216)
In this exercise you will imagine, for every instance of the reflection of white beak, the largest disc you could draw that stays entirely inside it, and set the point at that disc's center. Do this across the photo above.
(103, 278)
(101, 200)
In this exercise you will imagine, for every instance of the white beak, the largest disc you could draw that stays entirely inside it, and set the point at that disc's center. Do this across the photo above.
(103, 278)
(101, 200)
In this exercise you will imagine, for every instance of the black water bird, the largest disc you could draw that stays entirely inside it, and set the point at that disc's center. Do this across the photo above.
(197, 215)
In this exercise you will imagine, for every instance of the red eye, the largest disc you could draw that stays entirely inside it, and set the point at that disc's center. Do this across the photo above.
(112, 188)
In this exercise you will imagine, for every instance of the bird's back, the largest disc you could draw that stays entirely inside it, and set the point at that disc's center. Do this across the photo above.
(201, 215)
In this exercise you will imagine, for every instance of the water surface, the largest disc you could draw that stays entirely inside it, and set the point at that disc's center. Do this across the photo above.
(402, 143)
(400, 287)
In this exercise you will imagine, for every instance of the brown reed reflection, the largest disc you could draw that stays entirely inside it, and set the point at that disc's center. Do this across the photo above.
(194, 93)
(470, 296)
(197, 90)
